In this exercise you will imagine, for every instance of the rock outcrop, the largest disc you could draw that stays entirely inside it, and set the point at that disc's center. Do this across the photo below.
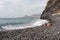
(53, 7)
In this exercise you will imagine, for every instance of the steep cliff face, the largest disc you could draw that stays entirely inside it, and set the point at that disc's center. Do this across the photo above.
(53, 7)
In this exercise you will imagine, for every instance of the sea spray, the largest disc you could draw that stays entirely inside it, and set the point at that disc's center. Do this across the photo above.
(34, 23)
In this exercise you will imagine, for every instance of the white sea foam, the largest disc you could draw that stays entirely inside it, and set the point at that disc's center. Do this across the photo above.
(35, 23)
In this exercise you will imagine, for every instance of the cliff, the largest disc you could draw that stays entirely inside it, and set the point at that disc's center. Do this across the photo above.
(52, 11)
(53, 7)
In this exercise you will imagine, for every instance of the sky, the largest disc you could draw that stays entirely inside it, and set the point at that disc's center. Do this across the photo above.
(19, 8)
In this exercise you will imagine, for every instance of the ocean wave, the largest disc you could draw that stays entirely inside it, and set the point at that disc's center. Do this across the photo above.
(34, 23)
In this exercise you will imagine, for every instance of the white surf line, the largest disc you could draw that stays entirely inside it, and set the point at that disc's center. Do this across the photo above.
(35, 24)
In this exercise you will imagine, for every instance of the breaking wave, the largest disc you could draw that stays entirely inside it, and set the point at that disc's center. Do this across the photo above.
(34, 23)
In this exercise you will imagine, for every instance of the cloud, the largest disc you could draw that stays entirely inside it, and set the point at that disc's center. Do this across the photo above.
(18, 8)
(36, 7)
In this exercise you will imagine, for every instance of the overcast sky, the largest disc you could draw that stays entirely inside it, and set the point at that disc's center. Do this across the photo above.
(19, 8)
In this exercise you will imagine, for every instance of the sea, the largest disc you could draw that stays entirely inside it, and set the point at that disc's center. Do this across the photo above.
(19, 23)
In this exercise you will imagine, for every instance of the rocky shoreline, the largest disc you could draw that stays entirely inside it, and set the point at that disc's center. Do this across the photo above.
(36, 33)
